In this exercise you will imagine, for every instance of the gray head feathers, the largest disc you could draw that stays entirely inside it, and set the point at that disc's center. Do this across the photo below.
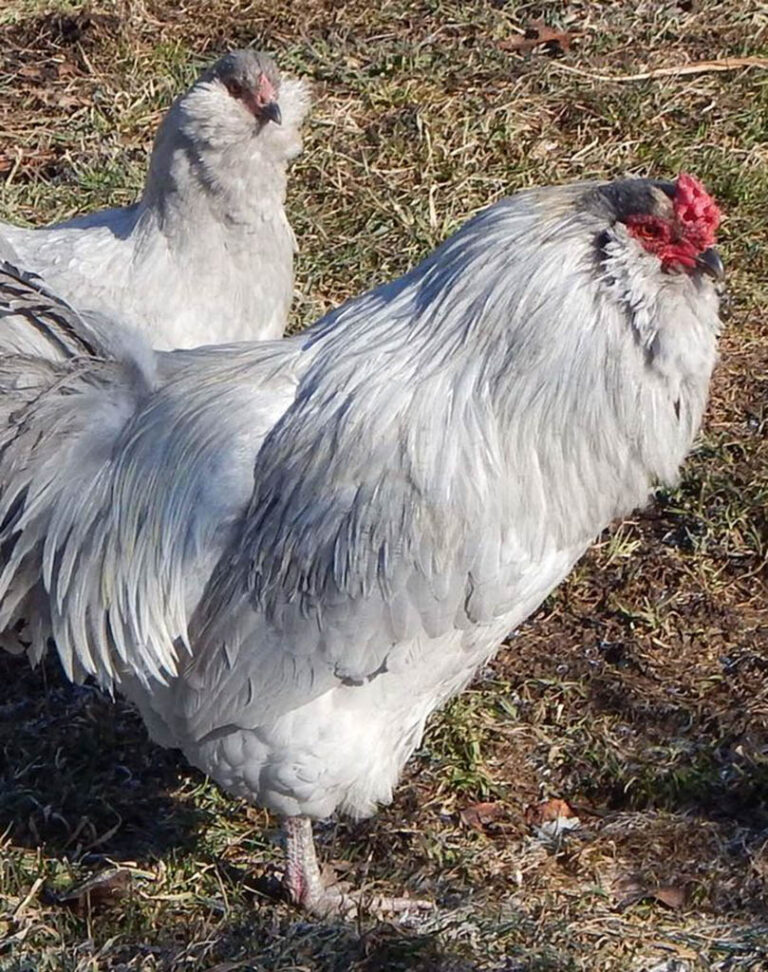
(239, 120)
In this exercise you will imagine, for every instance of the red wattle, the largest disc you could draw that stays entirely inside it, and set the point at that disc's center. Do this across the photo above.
(682, 253)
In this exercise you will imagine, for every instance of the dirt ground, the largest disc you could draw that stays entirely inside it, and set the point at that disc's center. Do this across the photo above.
(638, 694)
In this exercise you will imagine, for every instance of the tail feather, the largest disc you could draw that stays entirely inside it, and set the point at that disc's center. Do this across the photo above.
(69, 382)
(34, 321)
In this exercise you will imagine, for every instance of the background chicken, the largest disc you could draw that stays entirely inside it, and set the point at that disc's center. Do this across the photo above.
(319, 540)
(206, 254)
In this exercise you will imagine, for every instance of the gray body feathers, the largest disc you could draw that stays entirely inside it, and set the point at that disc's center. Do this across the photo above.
(289, 554)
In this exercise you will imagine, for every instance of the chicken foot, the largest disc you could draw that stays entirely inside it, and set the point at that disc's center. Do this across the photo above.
(307, 889)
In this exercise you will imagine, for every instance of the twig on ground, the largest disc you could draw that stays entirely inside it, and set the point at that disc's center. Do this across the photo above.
(696, 67)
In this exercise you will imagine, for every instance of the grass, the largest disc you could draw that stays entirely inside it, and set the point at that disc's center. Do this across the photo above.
(639, 691)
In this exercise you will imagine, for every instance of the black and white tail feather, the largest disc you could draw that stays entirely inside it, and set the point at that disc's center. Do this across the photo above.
(57, 367)
(110, 520)
(36, 322)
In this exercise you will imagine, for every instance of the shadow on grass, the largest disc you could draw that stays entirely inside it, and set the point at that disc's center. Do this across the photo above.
(339, 947)
(697, 759)
(78, 774)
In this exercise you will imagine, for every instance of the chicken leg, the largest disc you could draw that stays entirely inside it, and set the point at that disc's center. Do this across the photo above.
(306, 888)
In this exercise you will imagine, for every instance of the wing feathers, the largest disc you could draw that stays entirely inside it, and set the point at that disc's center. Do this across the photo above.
(119, 487)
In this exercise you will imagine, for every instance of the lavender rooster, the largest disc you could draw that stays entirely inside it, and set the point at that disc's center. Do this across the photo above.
(289, 554)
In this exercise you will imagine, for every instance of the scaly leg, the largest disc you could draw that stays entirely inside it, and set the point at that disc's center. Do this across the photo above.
(307, 889)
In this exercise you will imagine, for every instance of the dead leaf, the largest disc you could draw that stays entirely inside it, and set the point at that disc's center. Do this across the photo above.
(35, 158)
(31, 72)
(61, 99)
(41, 73)
(535, 816)
(101, 890)
(669, 895)
(539, 34)
(631, 889)
(479, 816)
(628, 890)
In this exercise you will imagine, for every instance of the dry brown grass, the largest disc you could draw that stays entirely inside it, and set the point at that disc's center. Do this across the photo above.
(639, 692)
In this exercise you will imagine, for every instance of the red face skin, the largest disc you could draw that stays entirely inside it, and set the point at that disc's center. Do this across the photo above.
(678, 241)
(254, 100)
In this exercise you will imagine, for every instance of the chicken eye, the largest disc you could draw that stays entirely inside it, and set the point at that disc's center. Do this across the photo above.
(234, 87)
(651, 231)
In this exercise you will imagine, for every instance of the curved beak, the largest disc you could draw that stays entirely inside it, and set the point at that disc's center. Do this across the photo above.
(271, 111)
(709, 262)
